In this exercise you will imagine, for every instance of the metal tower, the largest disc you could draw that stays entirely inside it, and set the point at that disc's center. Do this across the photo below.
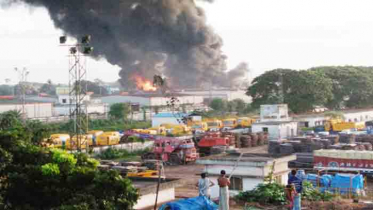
(78, 89)
(22, 75)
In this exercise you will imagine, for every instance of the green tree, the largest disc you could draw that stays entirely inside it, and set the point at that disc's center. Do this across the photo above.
(218, 104)
(63, 180)
(120, 110)
(6, 90)
(48, 88)
(301, 90)
(352, 86)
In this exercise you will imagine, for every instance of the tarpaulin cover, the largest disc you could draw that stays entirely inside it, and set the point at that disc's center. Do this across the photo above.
(344, 182)
(197, 203)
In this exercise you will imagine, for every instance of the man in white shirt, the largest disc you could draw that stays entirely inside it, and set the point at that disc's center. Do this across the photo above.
(204, 185)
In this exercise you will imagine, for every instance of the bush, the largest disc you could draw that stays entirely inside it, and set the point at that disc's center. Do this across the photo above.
(112, 153)
(269, 193)
(312, 194)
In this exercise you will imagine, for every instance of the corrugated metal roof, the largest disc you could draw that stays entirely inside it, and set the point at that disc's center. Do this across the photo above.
(176, 115)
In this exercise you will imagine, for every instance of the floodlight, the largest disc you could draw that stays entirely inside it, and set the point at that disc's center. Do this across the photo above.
(86, 39)
(87, 50)
(63, 39)
(73, 50)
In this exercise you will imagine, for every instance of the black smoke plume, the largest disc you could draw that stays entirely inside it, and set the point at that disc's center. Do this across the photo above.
(146, 37)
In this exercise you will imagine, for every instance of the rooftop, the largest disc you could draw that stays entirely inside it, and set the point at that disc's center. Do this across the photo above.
(149, 185)
(174, 115)
(272, 122)
(247, 159)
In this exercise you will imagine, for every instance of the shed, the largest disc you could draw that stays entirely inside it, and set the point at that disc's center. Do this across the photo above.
(251, 170)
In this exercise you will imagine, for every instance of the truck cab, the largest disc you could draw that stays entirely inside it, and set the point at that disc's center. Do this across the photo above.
(229, 123)
(214, 124)
(245, 122)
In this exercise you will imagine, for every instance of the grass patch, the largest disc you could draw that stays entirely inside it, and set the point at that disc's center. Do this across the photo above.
(121, 154)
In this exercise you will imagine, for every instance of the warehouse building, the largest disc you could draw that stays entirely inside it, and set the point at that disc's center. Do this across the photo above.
(319, 119)
(227, 94)
(152, 99)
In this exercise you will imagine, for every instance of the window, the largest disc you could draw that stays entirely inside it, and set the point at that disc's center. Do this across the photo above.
(64, 101)
(265, 130)
(236, 183)
(306, 124)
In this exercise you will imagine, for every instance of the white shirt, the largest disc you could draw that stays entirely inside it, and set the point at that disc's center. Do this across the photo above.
(204, 186)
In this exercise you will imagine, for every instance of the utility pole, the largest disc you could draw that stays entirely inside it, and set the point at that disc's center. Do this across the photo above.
(22, 75)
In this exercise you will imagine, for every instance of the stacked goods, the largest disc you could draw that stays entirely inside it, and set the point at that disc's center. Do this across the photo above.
(265, 138)
(368, 146)
(237, 140)
(296, 145)
(304, 160)
(274, 147)
(286, 149)
(334, 139)
(218, 149)
(326, 143)
(137, 164)
(260, 139)
(364, 138)
(152, 164)
(245, 141)
(254, 140)
(347, 138)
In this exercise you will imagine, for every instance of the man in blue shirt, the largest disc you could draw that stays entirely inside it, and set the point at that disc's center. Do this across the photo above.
(293, 179)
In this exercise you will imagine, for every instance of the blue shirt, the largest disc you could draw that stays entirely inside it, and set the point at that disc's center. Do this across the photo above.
(297, 182)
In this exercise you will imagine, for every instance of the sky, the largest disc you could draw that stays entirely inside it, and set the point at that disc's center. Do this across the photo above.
(267, 34)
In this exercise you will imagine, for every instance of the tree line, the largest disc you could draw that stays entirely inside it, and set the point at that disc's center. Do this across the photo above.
(333, 87)
(38, 178)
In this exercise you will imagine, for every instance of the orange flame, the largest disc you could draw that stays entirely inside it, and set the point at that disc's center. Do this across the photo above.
(143, 83)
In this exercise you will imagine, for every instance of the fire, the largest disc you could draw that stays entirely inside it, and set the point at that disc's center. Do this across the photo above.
(144, 84)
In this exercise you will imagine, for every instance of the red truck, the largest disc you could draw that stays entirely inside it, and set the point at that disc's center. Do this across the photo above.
(173, 150)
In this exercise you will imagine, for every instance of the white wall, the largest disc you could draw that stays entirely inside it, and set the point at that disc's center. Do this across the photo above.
(65, 99)
(163, 101)
(317, 119)
(33, 110)
(92, 108)
(283, 130)
(276, 112)
(149, 199)
(224, 94)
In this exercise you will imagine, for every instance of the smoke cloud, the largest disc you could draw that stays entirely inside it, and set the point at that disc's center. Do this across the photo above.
(147, 37)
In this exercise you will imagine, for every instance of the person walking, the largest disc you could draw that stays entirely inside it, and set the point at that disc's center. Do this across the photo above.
(224, 191)
(204, 185)
(293, 179)
(290, 193)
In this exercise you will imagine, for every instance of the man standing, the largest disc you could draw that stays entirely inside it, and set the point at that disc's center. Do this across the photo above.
(224, 191)
(204, 185)
(293, 179)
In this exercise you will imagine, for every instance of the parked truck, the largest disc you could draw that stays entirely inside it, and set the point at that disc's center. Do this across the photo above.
(230, 123)
(338, 125)
(213, 124)
(349, 160)
(213, 140)
(173, 150)
(245, 122)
